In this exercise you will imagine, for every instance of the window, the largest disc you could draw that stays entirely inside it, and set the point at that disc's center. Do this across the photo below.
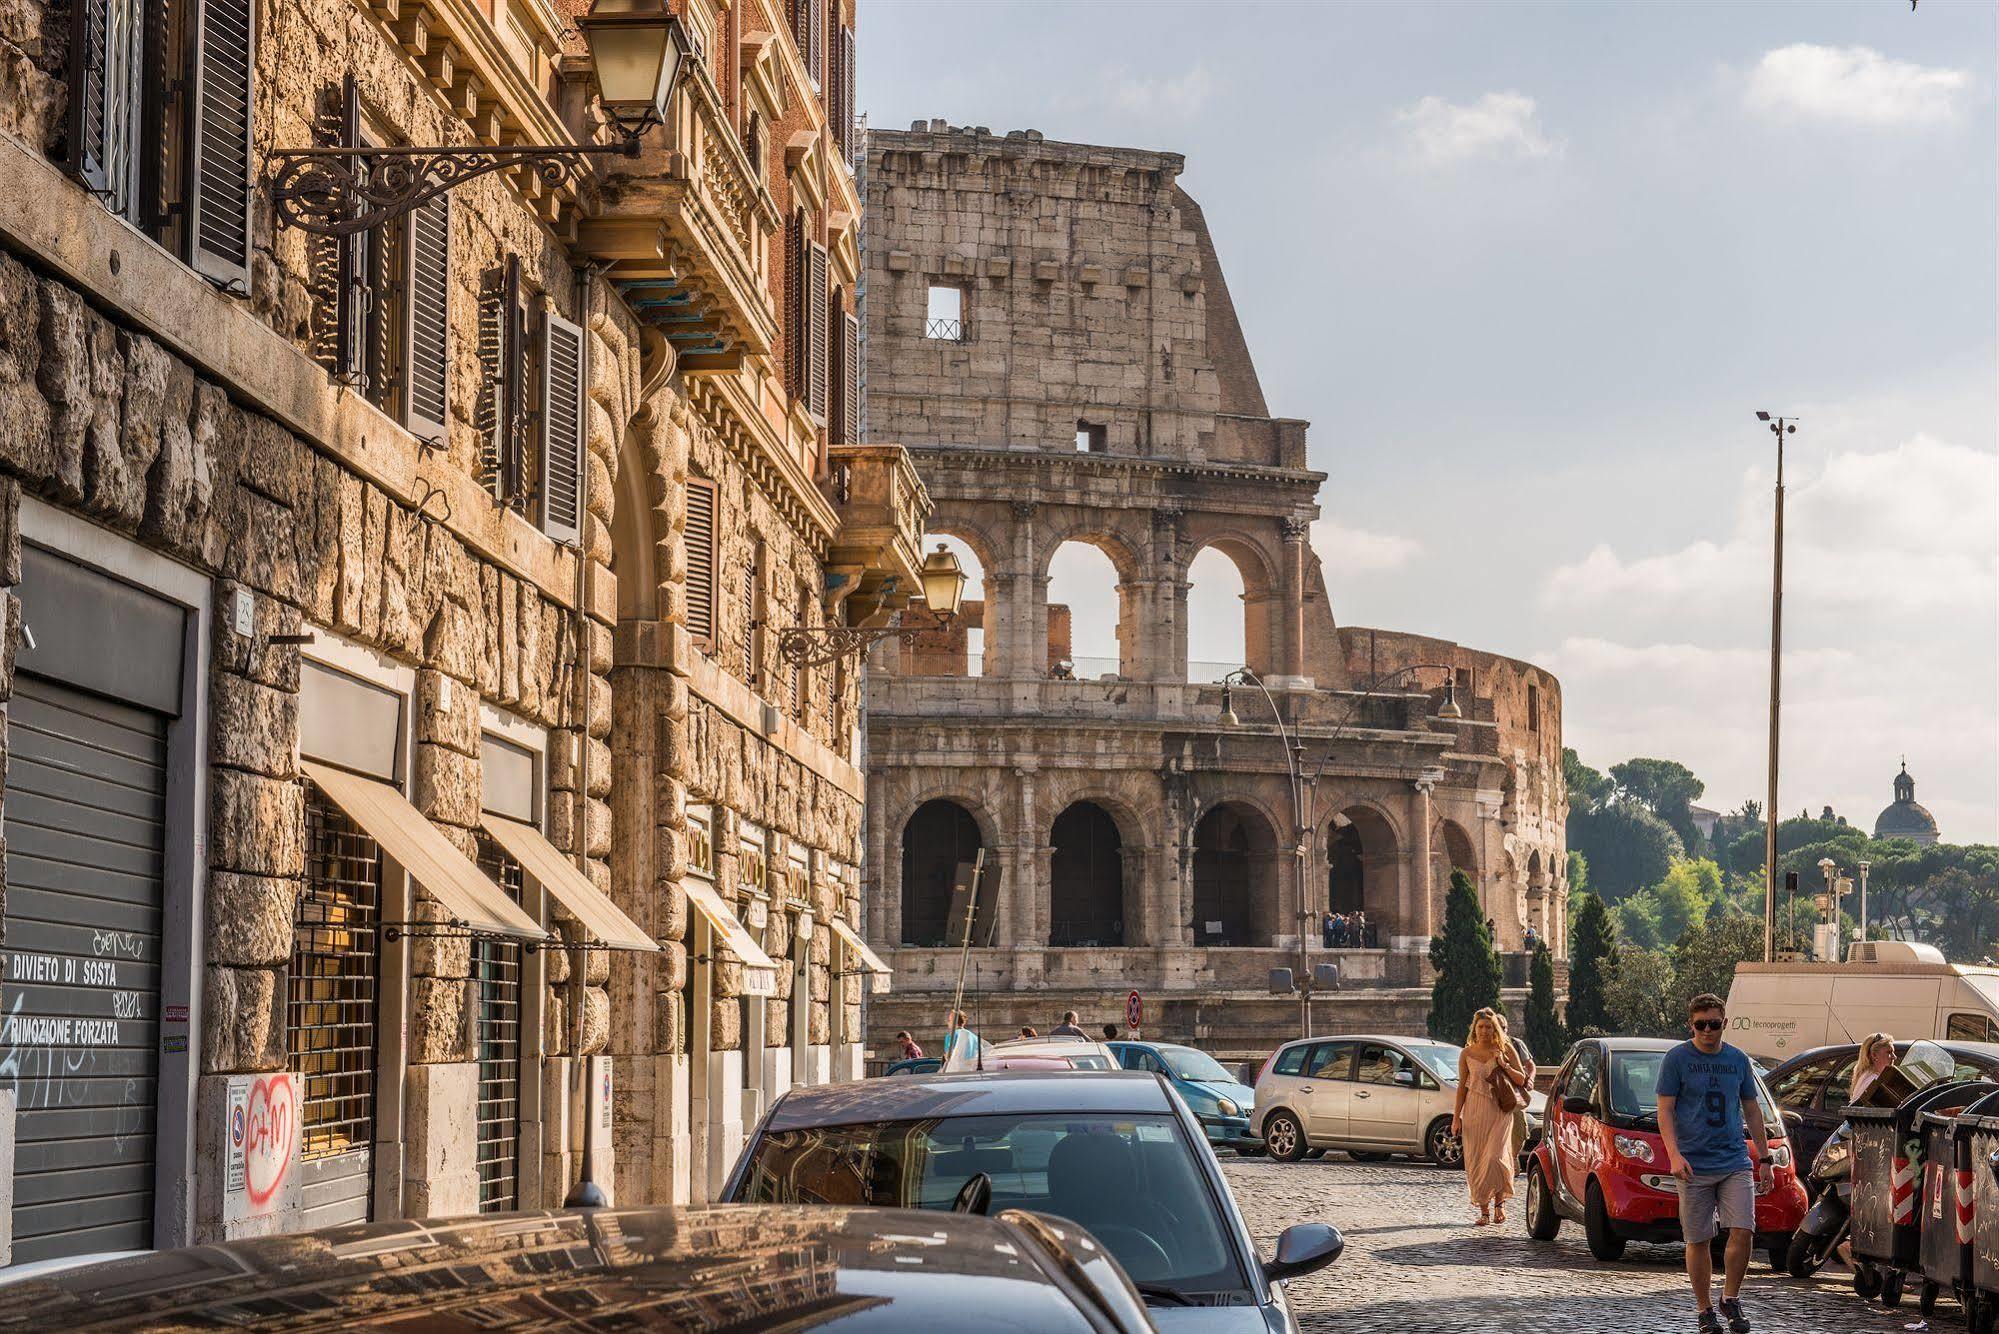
(1385, 1065)
(330, 992)
(1291, 1061)
(161, 100)
(807, 354)
(753, 615)
(1971, 1028)
(1798, 1089)
(807, 26)
(1331, 1060)
(842, 95)
(496, 967)
(699, 538)
(844, 423)
(944, 314)
(1092, 437)
(532, 372)
(1533, 708)
(1584, 1075)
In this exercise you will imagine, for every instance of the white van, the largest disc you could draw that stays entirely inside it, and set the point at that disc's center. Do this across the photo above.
(1776, 1010)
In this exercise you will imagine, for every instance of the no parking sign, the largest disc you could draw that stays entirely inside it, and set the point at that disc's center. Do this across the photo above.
(1134, 1012)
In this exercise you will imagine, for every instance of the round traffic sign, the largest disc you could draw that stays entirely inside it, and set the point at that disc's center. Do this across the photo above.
(1134, 1010)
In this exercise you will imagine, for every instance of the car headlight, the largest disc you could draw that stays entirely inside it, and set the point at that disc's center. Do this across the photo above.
(1228, 1107)
(1634, 1148)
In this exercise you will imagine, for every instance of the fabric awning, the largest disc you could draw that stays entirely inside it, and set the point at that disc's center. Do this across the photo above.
(472, 900)
(869, 960)
(567, 884)
(759, 973)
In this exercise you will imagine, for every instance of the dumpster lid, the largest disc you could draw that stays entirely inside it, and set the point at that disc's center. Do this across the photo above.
(1960, 1098)
(1983, 1114)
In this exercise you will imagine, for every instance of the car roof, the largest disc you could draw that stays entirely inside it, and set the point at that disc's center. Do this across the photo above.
(663, 1267)
(1399, 1039)
(1009, 1092)
(1956, 1047)
(1638, 1044)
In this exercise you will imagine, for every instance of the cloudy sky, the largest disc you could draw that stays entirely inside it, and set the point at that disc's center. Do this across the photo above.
(1530, 270)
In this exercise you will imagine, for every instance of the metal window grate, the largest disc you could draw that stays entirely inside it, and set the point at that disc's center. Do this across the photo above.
(496, 964)
(331, 993)
(947, 331)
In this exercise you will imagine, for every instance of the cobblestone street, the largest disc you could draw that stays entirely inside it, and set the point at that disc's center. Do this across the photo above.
(1414, 1263)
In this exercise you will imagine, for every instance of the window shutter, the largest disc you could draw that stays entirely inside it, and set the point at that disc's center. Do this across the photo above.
(89, 24)
(562, 429)
(513, 386)
(845, 124)
(427, 328)
(797, 340)
(350, 295)
(750, 663)
(699, 539)
(817, 328)
(218, 177)
(846, 420)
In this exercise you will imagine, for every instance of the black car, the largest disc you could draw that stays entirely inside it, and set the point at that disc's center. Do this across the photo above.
(1810, 1088)
(1118, 1153)
(613, 1269)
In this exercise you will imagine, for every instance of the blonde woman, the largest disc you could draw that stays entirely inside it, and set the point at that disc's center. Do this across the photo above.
(1877, 1053)
(1485, 1130)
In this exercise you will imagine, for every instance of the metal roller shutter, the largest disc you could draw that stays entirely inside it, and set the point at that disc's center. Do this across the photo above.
(86, 800)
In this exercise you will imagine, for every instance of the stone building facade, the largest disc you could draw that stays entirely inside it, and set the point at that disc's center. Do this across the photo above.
(393, 717)
(1095, 386)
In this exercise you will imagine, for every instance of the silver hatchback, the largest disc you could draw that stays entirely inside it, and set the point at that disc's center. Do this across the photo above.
(1367, 1094)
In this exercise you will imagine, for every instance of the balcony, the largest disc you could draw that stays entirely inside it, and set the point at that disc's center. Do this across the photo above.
(878, 551)
(686, 229)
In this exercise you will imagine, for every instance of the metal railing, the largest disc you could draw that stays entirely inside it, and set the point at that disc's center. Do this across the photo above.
(331, 991)
(496, 965)
(946, 331)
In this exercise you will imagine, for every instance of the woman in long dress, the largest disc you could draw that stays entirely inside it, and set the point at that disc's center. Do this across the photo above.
(1485, 1130)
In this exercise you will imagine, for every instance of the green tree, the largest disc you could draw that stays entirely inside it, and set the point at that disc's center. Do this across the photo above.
(1640, 996)
(1690, 888)
(1667, 788)
(1587, 788)
(1628, 847)
(1468, 972)
(1545, 1035)
(1592, 968)
(1637, 920)
(1705, 956)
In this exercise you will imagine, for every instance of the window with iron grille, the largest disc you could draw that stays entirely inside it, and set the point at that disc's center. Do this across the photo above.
(944, 313)
(496, 970)
(331, 993)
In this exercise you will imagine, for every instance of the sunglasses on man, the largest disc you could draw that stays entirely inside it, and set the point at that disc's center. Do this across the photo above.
(1710, 1025)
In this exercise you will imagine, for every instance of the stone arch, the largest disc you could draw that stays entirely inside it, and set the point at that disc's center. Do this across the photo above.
(1236, 876)
(938, 837)
(1364, 867)
(1452, 849)
(1072, 620)
(963, 648)
(1087, 877)
(1258, 599)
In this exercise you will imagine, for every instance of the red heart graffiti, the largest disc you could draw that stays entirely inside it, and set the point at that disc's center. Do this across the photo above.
(269, 1137)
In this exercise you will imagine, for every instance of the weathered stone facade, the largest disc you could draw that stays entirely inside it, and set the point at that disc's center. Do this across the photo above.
(1098, 389)
(306, 563)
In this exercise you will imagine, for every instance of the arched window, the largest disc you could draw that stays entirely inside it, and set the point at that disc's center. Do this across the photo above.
(1086, 890)
(1235, 877)
(1216, 617)
(959, 649)
(1361, 858)
(940, 838)
(1085, 609)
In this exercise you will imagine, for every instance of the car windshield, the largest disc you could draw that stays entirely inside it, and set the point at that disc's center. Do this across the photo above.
(1634, 1089)
(1195, 1066)
(1131, 1180)
(1441, 1059)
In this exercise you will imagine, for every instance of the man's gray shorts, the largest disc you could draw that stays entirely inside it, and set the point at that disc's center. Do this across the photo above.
(1732, 1195)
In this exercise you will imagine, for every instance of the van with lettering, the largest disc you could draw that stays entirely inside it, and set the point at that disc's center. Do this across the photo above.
(1776, 1010)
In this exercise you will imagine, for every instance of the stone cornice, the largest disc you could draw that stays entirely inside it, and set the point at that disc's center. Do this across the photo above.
(986, 458)
(750, 441)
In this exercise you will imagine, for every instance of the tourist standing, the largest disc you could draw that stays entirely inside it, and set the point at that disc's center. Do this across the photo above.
(907, 1044)
(1360, 930)
(1707, 1094)
(1483, 1126)
(1110, 1032)
(1326, 928)
(1068, 1028)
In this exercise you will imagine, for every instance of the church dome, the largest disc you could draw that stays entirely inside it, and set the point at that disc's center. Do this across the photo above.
(1905, 817)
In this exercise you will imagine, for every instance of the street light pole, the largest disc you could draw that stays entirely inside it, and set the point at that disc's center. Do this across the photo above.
(1779, 427)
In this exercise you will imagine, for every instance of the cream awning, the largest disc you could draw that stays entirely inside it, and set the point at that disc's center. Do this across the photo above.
(567, 884)
(472, 900)
(869, 960)
(759, 973)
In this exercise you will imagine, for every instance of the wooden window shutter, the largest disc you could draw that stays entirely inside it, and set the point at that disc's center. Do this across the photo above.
(562, 429)
(817, 329)
(427, 326)
(503, 365)
(350, 294)
(844, 126)
(751, 577)
(797, 340)
(699, 539)
(846, 420)
(219, 176)
(89, 125)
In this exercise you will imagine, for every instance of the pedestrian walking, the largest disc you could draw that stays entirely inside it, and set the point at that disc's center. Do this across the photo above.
(1362, 930)
(1068, 1028)
(1490, 1085)
(1707, 1094)
(960, 1031)
(1326, 928)
(907, 1044)
(1532, 937)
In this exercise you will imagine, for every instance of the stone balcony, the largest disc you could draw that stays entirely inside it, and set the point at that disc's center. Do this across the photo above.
(686, 228)
(877, 554)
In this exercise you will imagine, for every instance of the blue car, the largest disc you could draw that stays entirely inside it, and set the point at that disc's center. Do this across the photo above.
(1220, 1100)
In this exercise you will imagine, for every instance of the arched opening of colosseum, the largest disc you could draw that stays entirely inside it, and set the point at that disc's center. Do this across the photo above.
(940, 838)
(1362, 868)
(1537, 897)
(1451, 850)
(1235, 877)
(1229, 607)
(1086, 878)
(1086, 613)
(959, 649)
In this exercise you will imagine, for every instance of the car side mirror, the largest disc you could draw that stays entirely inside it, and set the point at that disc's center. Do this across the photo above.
(1578, 1106)
(1304, 1248)
(975, 1196)
(1793, 1120)
(1406, 1077)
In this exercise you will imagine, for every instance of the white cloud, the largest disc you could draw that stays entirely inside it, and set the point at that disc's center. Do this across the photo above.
(1348, 551)
(1854, 85)
(1914, 527)
(1497, 125)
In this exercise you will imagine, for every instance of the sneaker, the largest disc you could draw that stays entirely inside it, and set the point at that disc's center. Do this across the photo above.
(1710, 1323)
(1732, 1308)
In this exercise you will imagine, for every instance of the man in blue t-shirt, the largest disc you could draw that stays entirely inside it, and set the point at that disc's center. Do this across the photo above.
(1707, 1093)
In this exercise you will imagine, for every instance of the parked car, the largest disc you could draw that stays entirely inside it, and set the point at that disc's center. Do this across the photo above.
(1117, 1153)
(1368, 1094)
(1030, 1054)
(916, 1065)
(1220, 1101)
(1601, 1162)
(1810, 1088)
(614, 1269)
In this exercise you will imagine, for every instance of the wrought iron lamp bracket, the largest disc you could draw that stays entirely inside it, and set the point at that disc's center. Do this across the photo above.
(818, 645)
(339, 192)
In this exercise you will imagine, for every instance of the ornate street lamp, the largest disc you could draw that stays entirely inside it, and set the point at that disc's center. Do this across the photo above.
(637, 48)
(943, 581)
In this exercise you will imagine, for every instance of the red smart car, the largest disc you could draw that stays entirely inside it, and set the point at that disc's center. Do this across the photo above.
(1600, 1160)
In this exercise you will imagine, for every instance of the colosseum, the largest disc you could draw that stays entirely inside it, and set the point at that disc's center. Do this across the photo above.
(1049, 333)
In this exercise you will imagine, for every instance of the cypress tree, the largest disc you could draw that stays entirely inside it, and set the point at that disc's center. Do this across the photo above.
(1468, 972)
(1545, 1036)
(1592, 965)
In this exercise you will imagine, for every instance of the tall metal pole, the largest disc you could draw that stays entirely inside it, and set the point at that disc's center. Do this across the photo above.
(1301, 851)
(1779, 427)
(1863, 900)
